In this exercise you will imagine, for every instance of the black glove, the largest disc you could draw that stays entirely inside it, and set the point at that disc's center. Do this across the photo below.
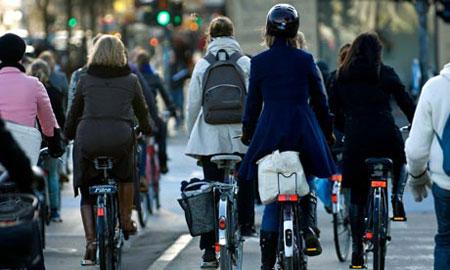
(173, 111)
(246, 138)
(56, 145)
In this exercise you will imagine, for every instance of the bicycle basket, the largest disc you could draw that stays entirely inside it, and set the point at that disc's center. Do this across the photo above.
(197, 201)
(19, 230)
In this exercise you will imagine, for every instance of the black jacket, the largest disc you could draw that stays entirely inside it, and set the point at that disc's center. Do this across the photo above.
(14, 160)
(361, 102)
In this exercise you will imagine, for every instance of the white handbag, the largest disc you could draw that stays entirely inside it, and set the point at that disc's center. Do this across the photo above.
(281, 173)
(28, 138)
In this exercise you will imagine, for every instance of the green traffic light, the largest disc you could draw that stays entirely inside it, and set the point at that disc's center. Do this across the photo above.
(177, 20)
(72, 22)
(163, 18)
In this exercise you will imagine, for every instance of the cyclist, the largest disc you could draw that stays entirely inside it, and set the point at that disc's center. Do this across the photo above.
(156, 85)
(41, 70)
(101, 120)
(428, 152)
(18, 167)
(206, 140)
(75, 77)
(360, 99)
(284, 78)
(23, 98)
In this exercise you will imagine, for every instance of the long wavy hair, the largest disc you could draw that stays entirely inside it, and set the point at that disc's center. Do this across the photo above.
(365, 50)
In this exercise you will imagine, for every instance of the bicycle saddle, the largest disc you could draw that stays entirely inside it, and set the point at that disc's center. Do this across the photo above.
(226, 160)
(376, 161)
(102, 163)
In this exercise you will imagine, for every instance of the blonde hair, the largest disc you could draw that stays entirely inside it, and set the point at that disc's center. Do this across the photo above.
(268, 40)
(40, 69)
(49, 58)
(302, 44)
(108, 51)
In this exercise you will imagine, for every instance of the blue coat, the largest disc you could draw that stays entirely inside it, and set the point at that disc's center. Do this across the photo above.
(286, 102)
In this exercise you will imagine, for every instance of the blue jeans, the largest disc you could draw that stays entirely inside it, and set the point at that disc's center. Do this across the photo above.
(142, 159)
(52, 165)
(442, 239)
(270, 221)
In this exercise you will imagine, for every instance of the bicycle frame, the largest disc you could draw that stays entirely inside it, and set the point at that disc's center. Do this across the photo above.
(336, 199)
(228, 192)
(108, 237)
(377, 221)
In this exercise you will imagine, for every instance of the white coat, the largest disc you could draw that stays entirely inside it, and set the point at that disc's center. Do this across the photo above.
(206, 139)
(422, 147)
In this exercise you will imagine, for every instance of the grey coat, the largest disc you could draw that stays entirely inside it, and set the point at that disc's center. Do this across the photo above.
(101, 120)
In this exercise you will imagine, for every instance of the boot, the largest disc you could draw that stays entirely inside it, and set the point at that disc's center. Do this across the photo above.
(268, 242)
(87, 215)
(308, 224)
(125, 207)
(357, 215)
(209, 259)
(398, 187)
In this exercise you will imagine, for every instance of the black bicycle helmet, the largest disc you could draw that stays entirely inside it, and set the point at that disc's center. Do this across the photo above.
(282, 21)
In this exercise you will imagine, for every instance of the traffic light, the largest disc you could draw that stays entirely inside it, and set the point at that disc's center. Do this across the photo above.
(176, 9)
(72, 22)
(163, 17)
(444, 11)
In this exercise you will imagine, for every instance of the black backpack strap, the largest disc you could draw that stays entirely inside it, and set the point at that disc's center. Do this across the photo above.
(211, 58)
(235, 57)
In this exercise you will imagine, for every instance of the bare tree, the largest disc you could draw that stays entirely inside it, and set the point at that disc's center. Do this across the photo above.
(42, 5)
(422, 8)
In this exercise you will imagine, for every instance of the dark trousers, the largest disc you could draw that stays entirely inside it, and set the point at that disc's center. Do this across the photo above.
(246, 199)
(161, 138)
(442, 239)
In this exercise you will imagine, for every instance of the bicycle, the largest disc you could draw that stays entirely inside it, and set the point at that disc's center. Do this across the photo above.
(230, 244)
(341, 221)
(290, 241)
(153, 174)
(377, 232)
(109, 232)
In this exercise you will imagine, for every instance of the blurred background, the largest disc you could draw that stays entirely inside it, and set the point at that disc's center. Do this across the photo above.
(416, 33)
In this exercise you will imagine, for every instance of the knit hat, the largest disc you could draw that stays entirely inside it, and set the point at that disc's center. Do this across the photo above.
(12, 48)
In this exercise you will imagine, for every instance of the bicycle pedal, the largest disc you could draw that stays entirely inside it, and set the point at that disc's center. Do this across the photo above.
(358, 267)
(399, 219)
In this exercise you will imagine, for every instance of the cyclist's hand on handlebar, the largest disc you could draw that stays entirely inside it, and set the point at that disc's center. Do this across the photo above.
(56, 145)
(331, 139)
(246, 138)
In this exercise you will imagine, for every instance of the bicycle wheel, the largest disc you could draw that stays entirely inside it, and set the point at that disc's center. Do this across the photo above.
(226, 252)
(116, 239)
(104, 247)
(143, 212)
(378, 240)
(288, 254)
(300, 260)
(342, 234)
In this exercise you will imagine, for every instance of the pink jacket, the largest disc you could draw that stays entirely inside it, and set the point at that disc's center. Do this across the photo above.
(23, 98)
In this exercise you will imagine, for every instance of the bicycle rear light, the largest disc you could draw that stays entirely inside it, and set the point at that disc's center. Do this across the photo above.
(100, 212)
(334, 198)
(368, 236)
(378, 183)
(336, 178)
(288, 198)
(222, 223)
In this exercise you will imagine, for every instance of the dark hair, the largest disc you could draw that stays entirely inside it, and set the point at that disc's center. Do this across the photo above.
(220, 27)
(343, 51)
(366, 49)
